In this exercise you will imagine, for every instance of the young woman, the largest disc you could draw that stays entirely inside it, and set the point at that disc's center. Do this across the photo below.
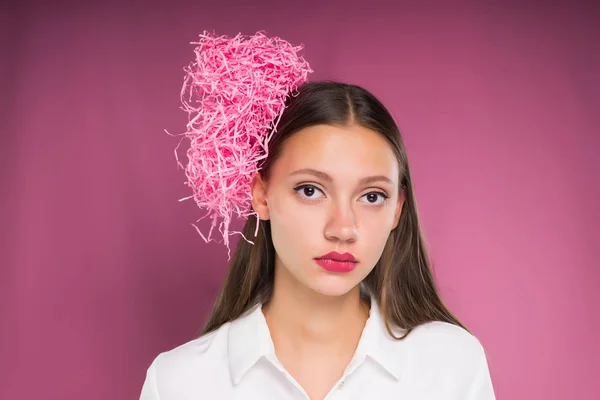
(335, 299)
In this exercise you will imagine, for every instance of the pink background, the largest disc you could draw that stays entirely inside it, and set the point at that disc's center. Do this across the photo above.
(101, 269)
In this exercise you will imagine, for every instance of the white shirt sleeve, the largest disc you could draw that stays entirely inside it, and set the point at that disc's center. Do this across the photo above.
(481, 388)
(150, 389)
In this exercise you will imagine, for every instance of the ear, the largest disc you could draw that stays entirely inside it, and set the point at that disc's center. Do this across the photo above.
(259, 197)
(399, 205)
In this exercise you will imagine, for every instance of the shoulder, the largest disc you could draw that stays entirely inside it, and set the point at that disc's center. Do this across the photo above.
(446, 346)
(442, 358)
(180, 367)
(445, 335)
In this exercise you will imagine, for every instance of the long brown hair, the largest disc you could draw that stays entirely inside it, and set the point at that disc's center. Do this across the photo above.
(401, 281)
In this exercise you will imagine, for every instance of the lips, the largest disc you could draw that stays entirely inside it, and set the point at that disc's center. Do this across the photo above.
(336, 262)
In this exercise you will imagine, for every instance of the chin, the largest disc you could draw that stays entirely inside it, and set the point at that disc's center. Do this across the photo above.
(333, 286)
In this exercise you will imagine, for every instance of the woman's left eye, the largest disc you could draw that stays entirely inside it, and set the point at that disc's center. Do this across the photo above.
(376, 198)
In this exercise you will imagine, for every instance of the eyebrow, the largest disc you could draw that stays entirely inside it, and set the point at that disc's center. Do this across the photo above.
(320, 174)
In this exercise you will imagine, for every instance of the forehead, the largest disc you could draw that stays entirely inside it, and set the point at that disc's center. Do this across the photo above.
(352, 151)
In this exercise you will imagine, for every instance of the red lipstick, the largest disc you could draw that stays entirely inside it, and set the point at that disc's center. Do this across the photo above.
(336, 262)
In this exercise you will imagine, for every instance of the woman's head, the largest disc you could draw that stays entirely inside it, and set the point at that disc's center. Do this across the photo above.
(336, 179)
(330, 188)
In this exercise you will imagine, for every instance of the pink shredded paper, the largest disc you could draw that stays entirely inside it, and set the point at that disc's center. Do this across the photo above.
(234, 92)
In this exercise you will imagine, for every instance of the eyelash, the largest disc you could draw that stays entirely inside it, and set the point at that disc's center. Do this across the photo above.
(297, 189)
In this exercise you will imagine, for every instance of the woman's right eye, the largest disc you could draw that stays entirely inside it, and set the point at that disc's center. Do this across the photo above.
(308, 191)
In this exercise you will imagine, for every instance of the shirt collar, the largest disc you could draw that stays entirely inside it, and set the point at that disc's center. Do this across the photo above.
(377, 344)
(249, 340)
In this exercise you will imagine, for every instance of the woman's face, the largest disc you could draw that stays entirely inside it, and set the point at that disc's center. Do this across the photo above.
(333, 189)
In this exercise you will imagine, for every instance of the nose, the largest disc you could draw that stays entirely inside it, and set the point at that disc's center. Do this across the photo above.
(341, 224)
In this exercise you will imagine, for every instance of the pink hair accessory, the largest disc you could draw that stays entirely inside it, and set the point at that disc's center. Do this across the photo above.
(234, 93)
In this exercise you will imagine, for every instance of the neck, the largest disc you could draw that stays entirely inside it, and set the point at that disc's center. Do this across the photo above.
(300, 317)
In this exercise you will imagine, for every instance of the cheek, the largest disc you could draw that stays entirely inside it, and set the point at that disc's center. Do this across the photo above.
(293, 227)
(375, 229)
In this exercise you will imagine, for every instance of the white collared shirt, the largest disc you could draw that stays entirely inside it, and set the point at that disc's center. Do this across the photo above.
(237, 361)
